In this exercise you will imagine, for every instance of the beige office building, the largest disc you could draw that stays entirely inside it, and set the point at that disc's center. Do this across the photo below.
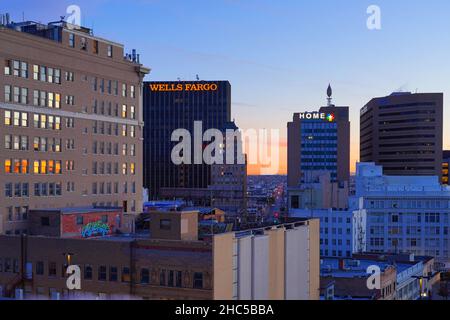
(70, 122)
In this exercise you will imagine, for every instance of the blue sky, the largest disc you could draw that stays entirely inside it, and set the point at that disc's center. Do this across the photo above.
(278, 55)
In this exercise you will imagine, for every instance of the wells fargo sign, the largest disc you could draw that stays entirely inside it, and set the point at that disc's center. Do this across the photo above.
(168, 87)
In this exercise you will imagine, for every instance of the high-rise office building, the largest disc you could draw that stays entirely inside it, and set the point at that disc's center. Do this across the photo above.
(319, 142)
(169, 106)
(70, 122)
(403, 133)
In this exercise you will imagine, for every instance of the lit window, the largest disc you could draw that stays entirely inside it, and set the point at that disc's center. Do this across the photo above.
(8, 118)
(124, 111)
(35, 72)
(43, 167)
(8, 166)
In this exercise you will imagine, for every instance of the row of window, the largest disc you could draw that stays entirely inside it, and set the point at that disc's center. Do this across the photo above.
(40, 98)
(40, 73)
(41, 121)
(99, 127)
(112, 87)
(83, 42)
(42, 144)
(109, 188)
(101, 168)
(21, 166)
(44, 189)
(407, 204)
(19, 213)
(107, 148)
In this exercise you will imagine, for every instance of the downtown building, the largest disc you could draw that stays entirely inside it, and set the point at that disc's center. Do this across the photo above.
(403, 133)
(273, 263)
(169, 106)
(403, 214)
(70, 122)
(318, 145)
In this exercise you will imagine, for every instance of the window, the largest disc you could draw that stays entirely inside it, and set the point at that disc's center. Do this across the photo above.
(178, 279)
(95, 47)
(87, 272)
(80, 220)
(110, 51)
(113, 274)
(132, 92)
(162, 277)
(52, 269)
(198, 280)
(8, 190)
(72, 40)
(43, 73)
(126, 274)
(8, 97)
(132, 112)
(35, 72)
(145, 276)
(45, 221)
(83, 43)
(7, 67)
(40, 268)
(124, 90)
(102, 273)
(8, 121)
(104, 219)
(165, 224)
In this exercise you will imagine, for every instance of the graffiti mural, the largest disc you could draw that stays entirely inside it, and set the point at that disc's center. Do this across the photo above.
(94, 229)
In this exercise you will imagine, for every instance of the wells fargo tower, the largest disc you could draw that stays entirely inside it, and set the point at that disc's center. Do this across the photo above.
(169, 106)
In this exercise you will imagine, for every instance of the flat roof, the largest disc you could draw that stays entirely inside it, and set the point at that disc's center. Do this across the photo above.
(72, 210)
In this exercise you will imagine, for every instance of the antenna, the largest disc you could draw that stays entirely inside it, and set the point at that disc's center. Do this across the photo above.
(329, 94)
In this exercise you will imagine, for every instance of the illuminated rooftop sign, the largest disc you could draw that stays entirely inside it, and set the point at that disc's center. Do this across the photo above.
(317, 116)
(169, 87)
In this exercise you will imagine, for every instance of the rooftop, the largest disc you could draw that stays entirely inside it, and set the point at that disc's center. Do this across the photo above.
(80, 210)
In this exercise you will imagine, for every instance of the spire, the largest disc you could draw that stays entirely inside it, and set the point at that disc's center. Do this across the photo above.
(329, 94)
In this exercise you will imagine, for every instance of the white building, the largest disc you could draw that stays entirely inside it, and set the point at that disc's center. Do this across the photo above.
(405, 214)
(342, 232)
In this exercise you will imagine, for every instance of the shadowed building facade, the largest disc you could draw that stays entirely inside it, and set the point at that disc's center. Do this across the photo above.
(169, 106)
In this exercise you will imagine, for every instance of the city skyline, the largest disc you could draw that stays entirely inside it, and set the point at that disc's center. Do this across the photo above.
(124, 176)
(289, 75)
